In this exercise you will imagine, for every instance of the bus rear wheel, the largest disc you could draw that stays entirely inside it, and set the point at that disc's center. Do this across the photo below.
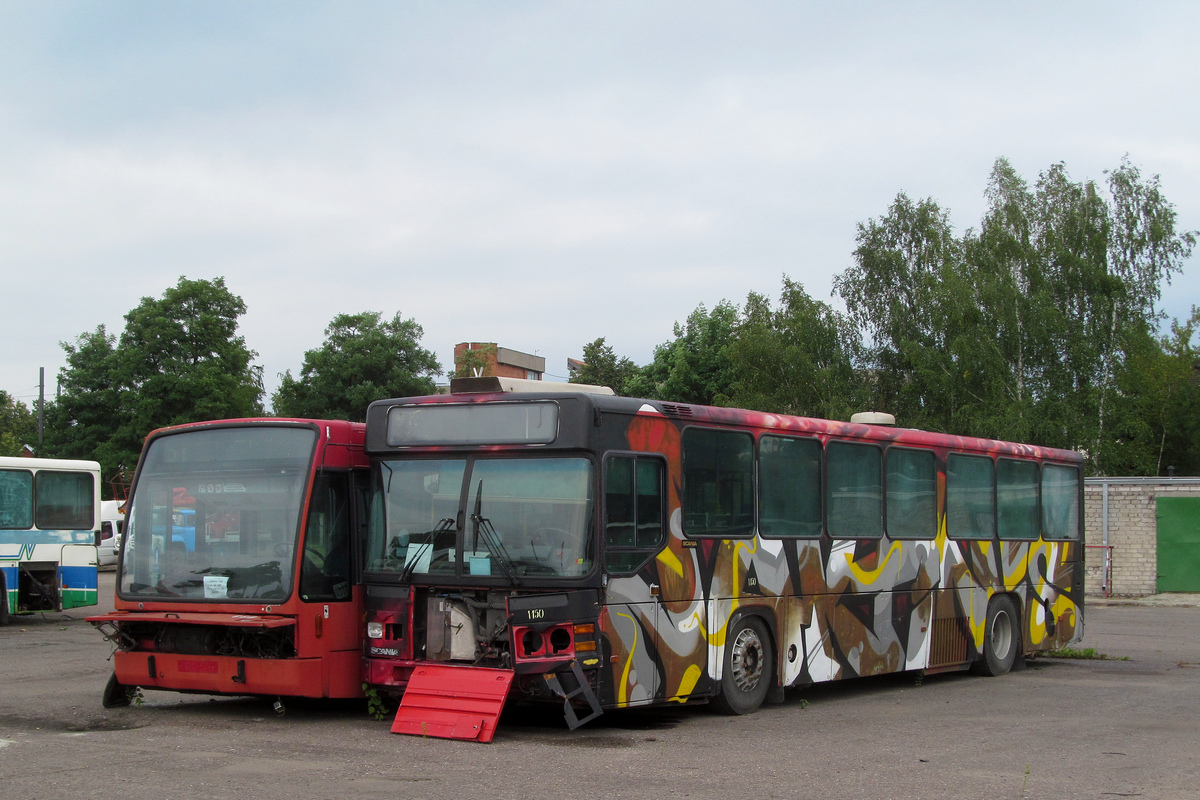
(1001, 638)
(3, 600)
(746, 677)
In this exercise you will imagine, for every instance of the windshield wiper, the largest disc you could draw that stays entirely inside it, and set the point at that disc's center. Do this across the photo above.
(414, 558)
(495, 546)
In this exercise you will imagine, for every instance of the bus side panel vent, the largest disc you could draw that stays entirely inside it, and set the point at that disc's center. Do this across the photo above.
(676, 410)
(948, 645)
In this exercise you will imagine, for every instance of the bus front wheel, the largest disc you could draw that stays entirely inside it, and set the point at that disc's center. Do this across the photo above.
(116, 694)
(1001, 638)
(746, 677)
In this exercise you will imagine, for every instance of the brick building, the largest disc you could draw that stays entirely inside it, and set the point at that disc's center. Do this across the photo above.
(499, 361)
(1128, 521)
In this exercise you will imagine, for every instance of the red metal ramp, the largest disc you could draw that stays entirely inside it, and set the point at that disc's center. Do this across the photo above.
(453, 702)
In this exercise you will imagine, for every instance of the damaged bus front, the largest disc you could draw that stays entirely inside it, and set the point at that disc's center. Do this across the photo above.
(481, 549)
(235, 573)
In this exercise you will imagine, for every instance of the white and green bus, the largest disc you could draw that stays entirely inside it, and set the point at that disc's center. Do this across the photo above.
(49, 516)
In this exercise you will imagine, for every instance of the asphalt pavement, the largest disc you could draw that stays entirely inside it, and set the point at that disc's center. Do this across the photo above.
(1127, 725)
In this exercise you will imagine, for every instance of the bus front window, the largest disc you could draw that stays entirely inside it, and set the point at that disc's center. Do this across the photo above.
(413, 518)
(215, 514)
(520, 518)
(529, 517)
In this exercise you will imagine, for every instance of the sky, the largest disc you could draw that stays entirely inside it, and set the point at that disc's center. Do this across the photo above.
(535, 174)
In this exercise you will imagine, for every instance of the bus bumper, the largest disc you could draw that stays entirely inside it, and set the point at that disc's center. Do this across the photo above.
(389, 674)
(334, 675)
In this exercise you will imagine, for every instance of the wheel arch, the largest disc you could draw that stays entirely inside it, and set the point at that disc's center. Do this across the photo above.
(770, 622)
(1019, 620)
(997, 656)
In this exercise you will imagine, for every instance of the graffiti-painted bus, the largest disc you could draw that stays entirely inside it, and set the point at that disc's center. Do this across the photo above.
(603, 552)
(49, 518)
(235, 572)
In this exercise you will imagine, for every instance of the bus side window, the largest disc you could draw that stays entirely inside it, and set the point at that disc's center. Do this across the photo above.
(789, 490)
(970, 496)
(854, 491)
(1060, 502)
(326, 567)
(634, 527)
(63, 500)
(718, 483)
(16, 499)
(1017, 499)
(911, 494)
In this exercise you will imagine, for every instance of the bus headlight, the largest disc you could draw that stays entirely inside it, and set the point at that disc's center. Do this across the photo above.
(374, 630)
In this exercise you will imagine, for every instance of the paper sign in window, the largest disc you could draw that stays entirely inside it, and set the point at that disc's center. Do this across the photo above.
(422, 552)
(216, 587)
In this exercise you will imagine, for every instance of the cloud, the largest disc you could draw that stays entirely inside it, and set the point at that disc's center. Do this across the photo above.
(533, 174)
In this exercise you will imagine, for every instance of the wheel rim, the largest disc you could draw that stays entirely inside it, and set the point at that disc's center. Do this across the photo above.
(1001, 635)
(747, 659)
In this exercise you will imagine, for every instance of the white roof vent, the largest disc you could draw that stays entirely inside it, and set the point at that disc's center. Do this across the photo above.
(873, 418)
(492, 384)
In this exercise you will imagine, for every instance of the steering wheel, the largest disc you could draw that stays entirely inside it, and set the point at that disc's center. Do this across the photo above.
(534, 567)
(552, 536)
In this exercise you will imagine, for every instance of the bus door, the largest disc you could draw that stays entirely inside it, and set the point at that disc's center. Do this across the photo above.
(77, 577)
(631, 628)
(330, 616)
(635, 533)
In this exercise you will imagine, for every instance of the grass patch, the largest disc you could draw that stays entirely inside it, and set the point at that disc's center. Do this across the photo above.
(1083, 654)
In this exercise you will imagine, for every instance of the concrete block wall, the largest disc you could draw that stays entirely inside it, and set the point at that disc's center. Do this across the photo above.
(1132, 530)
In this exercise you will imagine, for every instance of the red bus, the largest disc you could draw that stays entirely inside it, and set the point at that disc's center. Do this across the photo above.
(235, 572)
(604, 552)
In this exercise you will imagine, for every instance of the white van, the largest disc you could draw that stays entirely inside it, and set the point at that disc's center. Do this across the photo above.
(112, 528)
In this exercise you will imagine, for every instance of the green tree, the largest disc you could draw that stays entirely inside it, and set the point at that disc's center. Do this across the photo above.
(474, 362)
(1035, 327)
(898, 294)
(1144, 252)
(602, 367)
(999, 315)
(84, 420)
(800, 358)
(178, 360)
(364, 358)
(1160, 383)
(18, 425)
(695, 366)
(1101, 261)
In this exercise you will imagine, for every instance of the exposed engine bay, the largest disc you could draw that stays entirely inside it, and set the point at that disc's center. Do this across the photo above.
(201, 640)
(467, 626)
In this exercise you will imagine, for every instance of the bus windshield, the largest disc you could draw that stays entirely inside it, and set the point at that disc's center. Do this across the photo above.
(215, 514)
(504, 517)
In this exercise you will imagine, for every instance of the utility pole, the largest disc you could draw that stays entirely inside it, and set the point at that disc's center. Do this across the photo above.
(41, 403)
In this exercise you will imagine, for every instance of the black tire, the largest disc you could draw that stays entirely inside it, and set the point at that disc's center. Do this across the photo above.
(3, 600)
(749, 668)
(1001, 638)
(116, 694)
